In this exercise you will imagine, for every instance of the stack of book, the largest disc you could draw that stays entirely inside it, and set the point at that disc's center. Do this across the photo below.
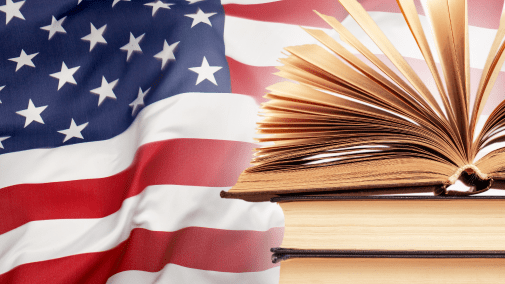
(348, 134)
(392, 240)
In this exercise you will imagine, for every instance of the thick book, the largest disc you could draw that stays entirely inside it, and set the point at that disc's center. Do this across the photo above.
(347, 123)
(392, 239)
(321, 224)
(389, 268)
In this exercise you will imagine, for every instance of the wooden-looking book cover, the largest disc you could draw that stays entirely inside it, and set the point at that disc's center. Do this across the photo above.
(346, 123)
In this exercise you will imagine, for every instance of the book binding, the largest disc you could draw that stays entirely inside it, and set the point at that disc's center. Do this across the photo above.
(477, 185)
(280, 254)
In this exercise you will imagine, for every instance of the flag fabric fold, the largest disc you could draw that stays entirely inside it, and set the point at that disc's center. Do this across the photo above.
(122, 120)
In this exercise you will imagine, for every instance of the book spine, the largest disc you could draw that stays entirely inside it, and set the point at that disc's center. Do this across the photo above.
(281, 254)
(376, 197)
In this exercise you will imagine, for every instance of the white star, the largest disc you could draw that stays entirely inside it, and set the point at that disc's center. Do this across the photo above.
(205, 72)
(95, 36)
(79, 2)
(2, 139)
(1, 87)
(200, 17)
(116, 1)
(167, 53)
(193, 1)
(12, 10)
(133, 45)
(105, 90)
(65, 75)
(32, 113)
(24, 59)
(73, 131)
(139, 101)
(158, 4)
(55, 27)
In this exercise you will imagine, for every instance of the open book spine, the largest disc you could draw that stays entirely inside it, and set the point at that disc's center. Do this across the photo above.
(439, 189)
(366, 190)
(280, 254)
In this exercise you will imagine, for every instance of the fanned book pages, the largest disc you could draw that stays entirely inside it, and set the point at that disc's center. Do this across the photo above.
(353, 123)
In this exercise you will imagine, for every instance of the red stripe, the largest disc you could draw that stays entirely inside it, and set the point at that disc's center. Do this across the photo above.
(484, 13)
(297, 12)
(144, 250)
(251, 80)
(481, 13)
(497, 92)
(301, 12)
(390, 6)
(198, 162)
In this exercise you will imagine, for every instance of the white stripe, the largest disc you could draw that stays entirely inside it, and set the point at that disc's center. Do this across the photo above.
(261, 43)
(175, 274)
(157, 208)
(191, 115)
(173, 207)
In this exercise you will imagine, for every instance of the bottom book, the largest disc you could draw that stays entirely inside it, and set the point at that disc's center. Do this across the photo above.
(390, 267)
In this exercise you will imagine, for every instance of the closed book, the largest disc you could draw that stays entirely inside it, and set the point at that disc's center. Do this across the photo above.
(351, 267)
(394, 239)
(395, 223)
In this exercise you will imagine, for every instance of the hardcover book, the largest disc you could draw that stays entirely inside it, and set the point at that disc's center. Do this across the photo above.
(394, 269)
(318, 224)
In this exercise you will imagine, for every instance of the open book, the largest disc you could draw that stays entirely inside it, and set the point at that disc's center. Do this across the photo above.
(350, 124)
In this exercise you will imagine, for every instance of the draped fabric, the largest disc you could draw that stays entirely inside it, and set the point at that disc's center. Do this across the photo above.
(121, 121)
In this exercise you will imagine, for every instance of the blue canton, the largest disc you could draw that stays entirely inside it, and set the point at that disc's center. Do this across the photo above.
(74, 71)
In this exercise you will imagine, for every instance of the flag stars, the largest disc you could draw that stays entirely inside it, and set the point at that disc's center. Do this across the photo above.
(133, 45)
(96, 36)
(65, 75)
(193, 1)
(156, 5)
(32, 113)
(73, 131)
(117, 1)
(3, 139)
(11, 10)
(1, 88)
(139, 101)
(167, 53)
(105, 90)
(205, 72)
(55, 27)
(200, 17)
(24, 59)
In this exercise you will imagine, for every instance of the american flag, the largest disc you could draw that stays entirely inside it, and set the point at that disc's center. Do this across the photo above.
(121, 121)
